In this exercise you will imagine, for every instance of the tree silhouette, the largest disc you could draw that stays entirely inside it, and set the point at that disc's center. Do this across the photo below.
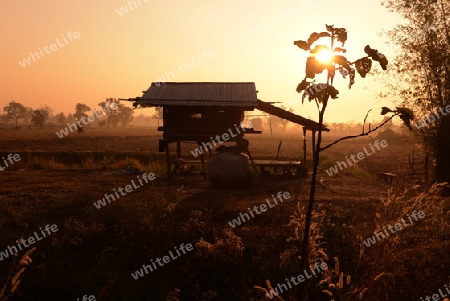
(38, 119)
(159, 112)
(40, 116)
(15, 111)
(109, 108)
(421, 71)
(80, 110)
(61, 118)
(329, 59)
(125, 115)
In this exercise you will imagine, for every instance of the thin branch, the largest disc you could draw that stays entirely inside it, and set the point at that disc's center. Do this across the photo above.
(365, 118)
(360, 135)
(317, 104)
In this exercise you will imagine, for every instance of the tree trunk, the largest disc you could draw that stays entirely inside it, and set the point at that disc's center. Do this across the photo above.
(442, 151)
(303, 294)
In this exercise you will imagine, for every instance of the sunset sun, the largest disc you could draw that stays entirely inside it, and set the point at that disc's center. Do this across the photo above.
(324, 56)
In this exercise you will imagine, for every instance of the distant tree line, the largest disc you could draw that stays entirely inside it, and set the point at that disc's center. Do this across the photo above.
(278, 126)
(43, 116)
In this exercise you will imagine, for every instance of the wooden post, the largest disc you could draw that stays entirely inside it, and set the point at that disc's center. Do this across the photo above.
(278, 155)
(313, 138)
(270, 123)
(279, 148)
(304, 145)
(203, 166)
(169, 176)
(178, 149)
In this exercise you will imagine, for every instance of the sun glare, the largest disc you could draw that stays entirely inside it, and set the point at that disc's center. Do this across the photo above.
(324, 56)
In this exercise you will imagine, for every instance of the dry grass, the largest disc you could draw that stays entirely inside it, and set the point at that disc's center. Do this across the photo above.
(412, 255)
(95, 250)
(355, 170)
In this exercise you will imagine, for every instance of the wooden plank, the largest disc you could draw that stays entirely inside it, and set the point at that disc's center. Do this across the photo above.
(277, 163)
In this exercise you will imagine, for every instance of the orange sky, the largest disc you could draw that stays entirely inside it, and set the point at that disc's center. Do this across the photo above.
(120, 55)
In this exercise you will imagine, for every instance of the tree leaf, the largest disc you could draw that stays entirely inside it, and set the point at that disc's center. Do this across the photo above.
(406, 121)
(302, 86)
(302, 45)
(363, 66)
(343, 72)
(313, 67)
(341, 34)
(342, 60)
(310, 69)
(339, 49)
(376, 56)
(385, 110)
(406, 115)
(382, 60)
(319, 48)
(352, 77)
(405, 112)
(315, 36)
(319, 92)
(333, 92)
(303, 97)
(309, 91)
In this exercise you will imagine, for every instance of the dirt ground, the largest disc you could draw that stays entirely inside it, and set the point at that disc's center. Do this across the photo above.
(97, 244)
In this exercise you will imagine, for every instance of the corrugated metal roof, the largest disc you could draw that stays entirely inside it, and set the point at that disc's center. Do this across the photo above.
(200, 94)
(214, 94)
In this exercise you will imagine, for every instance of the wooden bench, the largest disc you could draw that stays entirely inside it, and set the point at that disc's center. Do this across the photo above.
(285, 165)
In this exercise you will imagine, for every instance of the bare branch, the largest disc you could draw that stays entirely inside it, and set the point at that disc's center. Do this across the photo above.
(360, 135)
(365, 121)
(317, 104)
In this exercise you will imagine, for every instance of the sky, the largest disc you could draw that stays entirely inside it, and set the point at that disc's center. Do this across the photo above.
(87, 51)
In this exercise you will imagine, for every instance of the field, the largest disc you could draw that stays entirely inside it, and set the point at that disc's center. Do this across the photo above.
(96, 251)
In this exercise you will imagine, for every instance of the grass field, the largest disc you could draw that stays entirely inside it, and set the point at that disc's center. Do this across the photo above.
(95, 251)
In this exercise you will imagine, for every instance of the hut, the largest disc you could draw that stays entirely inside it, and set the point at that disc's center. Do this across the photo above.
(200, 111)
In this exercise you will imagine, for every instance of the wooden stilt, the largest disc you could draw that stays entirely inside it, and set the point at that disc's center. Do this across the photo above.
(169, 175)
(278, 156)
(304, 146)
(179, 149)
(203, 166)
(313, 143)
(279, 148)
(247, 151)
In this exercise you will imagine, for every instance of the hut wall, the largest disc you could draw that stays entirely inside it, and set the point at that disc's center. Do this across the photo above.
(196, 123)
